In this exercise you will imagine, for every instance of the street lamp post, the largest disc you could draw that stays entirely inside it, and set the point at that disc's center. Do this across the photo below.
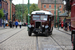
(28, 13)
(10, 8)
(58, 18)
(55, 15)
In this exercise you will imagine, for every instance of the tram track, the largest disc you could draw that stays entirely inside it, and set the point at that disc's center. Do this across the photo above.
(37, 46)
(5, 32)
(11, 36)
(57, 43)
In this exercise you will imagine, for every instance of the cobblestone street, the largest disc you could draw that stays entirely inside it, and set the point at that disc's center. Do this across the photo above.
(18, 39)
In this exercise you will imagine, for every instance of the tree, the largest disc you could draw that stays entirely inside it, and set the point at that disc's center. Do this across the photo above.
(33, 7)
(1, 13)
(23, 10)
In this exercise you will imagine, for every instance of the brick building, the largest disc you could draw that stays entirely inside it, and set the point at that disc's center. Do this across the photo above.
(8, 1)
(13, 12)
(49, 5)
(4, 6)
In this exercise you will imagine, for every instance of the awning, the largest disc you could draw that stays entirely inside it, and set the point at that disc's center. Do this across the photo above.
(64, 14)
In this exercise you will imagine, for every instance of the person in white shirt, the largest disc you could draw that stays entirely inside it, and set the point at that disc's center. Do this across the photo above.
(20, 23)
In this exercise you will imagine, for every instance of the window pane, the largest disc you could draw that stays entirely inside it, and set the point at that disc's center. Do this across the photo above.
(36, 17)
(60, 6)
(49, 6)
(44, 17)
(44, 6)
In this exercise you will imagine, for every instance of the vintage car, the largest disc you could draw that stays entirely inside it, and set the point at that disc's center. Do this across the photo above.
(41, 22)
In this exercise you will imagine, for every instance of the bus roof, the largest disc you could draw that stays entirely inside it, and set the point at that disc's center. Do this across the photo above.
(42, 12)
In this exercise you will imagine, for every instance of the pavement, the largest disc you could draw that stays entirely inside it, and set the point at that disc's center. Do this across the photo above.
(18, 39)
(62, 30)
(4, 28)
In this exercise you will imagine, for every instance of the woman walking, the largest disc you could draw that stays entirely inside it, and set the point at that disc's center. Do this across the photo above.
(20, 24)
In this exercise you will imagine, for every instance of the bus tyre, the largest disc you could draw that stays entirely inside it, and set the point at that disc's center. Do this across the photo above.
(73, 41)
(46, 33)
(29, 32)
(51, 31)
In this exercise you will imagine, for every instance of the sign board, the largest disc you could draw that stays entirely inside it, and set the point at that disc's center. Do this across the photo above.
(50, 9)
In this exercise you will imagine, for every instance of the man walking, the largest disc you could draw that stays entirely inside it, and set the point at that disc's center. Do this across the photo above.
(66, 26)
(16, 23)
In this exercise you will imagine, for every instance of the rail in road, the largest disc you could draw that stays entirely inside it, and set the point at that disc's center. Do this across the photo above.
(62, 47)
(10, 36)
(36, 40)
(37, 45)
(6, 32)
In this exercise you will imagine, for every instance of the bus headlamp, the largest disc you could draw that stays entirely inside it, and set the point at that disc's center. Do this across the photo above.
(46, 26)
(32, 25)
(42, 25)
(29, 26)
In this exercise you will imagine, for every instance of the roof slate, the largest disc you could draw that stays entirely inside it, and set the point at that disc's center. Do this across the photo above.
(52, 1)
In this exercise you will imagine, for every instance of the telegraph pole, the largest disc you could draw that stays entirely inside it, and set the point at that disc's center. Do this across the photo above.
(28, 12)
(58, 18)
(55, 15)
(22, 9)
(10, 8)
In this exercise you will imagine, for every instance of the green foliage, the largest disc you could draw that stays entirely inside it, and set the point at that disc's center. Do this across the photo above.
(1, 13)
(33, 7)
(22, 9)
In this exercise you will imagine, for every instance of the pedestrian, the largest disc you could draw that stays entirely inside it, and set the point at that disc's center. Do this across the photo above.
(69, 26)
(4, 23)
(10, 24)
(13, 24)
(26, 24)
(16, 23)
(66, 26)
(20, 23)
(62, 24)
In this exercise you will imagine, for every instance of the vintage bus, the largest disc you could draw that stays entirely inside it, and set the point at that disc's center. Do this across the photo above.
(41, 22)
(71, 6)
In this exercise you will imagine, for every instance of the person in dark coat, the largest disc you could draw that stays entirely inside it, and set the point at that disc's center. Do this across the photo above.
(10, 24)
(70, 26)
(16, 24)
(66, 26)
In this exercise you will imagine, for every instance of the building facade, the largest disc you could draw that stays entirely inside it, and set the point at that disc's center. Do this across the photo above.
(8, 1)
(4, 6)
(13, 12)
(49, 5)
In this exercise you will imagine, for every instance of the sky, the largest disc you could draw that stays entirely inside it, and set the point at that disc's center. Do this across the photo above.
(25, 1)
